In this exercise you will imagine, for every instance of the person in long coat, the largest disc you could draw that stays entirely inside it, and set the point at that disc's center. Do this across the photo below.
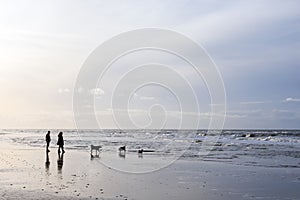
(60, 142)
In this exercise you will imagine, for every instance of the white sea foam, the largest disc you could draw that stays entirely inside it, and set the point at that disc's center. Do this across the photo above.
(237, 146)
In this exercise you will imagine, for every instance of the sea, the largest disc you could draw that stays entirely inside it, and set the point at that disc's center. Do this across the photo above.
(263, 148)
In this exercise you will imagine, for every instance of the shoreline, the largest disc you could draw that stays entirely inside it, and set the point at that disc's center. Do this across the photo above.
(25, 175)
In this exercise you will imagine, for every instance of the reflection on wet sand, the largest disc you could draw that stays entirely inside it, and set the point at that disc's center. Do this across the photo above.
(47, 163)
(60, 162)
(122, 154)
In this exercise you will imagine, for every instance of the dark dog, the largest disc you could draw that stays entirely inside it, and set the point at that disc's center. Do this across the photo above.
(140, 151)
(123, 148)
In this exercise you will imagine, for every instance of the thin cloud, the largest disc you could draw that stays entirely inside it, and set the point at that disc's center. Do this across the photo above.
(63, 90)
(253, 102)
(238, 20)
(290, 99)
(97, 91)
(146, 98)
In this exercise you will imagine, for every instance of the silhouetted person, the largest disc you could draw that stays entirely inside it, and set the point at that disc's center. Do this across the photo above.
(60, 142)
(48, 140)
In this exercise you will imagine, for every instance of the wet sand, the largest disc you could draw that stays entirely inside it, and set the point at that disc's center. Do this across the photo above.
(26, 174)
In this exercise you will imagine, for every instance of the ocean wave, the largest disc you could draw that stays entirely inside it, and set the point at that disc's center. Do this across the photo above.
(231, 145)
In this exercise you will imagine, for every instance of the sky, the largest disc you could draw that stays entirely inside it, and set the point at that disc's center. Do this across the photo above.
(254, 44)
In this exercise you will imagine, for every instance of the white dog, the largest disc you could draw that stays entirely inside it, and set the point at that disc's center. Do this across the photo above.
(97, 149)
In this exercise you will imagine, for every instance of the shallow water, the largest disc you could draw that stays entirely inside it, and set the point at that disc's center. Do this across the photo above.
(266, 148)
(238, 165)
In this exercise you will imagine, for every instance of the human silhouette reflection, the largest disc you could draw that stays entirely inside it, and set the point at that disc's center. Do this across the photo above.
(60, 162)
(47, 163)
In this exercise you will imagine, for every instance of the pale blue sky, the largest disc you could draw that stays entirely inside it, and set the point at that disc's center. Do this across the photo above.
(255, 44)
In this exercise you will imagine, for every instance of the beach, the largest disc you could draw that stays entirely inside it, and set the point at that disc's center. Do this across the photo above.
(27, 172)
(150, 100)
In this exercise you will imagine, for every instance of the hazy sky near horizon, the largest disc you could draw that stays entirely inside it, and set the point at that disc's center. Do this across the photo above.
(255, 44)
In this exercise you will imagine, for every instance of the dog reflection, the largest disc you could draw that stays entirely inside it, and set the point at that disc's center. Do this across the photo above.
(94, 156)
(140, 153)
(97, 149)
(122, 154)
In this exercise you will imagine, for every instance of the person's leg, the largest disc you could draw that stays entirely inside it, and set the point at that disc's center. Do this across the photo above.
(62, 148)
